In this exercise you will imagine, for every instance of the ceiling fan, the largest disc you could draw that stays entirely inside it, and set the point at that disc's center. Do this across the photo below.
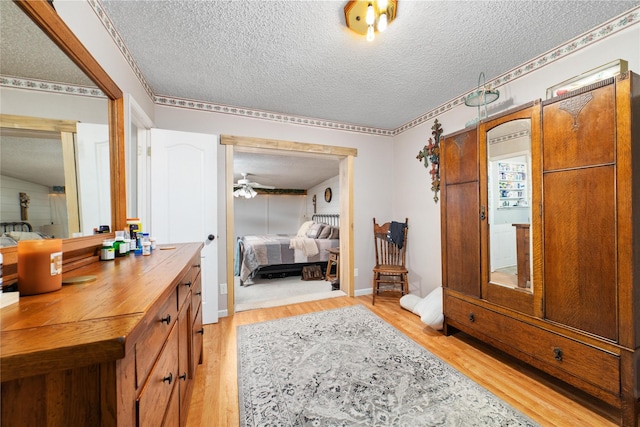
(245, 188)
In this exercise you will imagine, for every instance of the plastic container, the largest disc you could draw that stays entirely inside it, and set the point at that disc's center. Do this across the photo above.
(39, 266)
(107, 251)
(135, 227)
(146, 244)
(119, 245)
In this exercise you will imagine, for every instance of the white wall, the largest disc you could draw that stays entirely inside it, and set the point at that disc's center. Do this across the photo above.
(333, 207)
(388, 180)
(39, 211)
(268, 214)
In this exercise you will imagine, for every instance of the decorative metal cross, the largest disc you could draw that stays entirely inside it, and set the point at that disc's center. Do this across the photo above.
(431, 154)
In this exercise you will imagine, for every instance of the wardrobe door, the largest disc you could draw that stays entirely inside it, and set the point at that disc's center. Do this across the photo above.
(579, 210)
(460, 213)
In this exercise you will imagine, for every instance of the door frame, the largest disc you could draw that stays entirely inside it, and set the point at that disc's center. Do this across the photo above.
(345, 155)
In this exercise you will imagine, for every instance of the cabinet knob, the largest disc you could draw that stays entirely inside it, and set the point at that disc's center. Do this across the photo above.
(198, 293)
(557, 354)
(188, 284)
(168, 379)
(201, 331)
(183, 377)
(166, 319)
(472, 317)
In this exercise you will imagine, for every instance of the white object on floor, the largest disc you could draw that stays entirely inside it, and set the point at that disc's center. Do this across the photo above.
(428, 308)
(8, 298)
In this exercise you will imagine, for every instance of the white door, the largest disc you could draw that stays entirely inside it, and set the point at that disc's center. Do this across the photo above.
(94, 188)
(184, 201)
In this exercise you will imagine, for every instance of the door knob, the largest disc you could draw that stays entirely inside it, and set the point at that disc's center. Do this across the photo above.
(211, 237)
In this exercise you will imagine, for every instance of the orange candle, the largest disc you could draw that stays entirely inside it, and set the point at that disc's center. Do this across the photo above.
(39, 266)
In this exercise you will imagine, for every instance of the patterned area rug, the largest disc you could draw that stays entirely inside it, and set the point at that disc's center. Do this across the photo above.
(348, 367)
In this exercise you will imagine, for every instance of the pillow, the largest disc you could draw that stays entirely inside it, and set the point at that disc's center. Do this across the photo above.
(302, 231)
(325, 233)
(24, 235)
(335, 233)
(314, 230)
(428, 308)
(431, 309)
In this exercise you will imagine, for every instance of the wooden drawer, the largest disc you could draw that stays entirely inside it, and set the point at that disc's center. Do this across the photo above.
(188, 281)
(196, 340)
(154, 398)
(196, 293)
(149, 345)
(596, 367)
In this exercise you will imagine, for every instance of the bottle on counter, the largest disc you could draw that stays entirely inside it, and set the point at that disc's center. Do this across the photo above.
(121, 249)
(146, 244)
(107, 251)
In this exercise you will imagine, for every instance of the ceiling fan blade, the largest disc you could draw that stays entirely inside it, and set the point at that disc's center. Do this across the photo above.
(265, 187)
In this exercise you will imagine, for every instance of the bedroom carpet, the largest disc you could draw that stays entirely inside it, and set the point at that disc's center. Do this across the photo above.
(348, 367)
(264, 293)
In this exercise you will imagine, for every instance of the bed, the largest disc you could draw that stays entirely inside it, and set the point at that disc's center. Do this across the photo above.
(279, 255)
(14, 231)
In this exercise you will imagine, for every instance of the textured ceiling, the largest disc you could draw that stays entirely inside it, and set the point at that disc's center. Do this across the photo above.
(299, 58)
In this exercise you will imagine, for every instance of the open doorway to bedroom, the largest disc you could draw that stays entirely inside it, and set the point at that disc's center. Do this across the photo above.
(238, 209)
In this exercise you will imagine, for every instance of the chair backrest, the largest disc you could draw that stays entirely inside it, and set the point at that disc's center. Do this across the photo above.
(387, 252)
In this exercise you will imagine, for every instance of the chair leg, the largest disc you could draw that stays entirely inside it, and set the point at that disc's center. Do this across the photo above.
(375, 290)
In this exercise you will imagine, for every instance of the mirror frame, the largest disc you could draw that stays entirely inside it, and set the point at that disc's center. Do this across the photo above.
(525, 301)
(81, 250)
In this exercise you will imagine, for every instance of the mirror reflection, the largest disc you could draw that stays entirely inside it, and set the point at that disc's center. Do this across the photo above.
(63, 172)
(509, 203)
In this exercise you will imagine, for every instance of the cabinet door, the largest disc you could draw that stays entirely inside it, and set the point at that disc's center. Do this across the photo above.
(579, 211)
(460, 213)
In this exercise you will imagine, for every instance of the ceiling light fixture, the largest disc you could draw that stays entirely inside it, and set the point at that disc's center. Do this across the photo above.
(367, 17)
(483, 95)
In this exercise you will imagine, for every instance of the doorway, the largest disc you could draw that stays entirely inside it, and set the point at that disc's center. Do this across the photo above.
(345, 156)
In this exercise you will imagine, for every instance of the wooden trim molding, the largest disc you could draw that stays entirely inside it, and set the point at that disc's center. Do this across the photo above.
(344, 154)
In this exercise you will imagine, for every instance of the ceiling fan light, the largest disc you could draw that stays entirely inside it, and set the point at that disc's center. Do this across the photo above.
(370, 34)
(371, 16)
(382, 22)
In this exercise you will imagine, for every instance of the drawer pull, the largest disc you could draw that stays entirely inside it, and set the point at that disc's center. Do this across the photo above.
(199, 293)
(168, 379)
(183, 377)
(188, 284)
(166, 319)
(196, 265)
(201, 331)
(472, 317)
(557, 354)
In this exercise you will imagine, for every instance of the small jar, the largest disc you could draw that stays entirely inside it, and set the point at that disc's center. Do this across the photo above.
(107, 251)
(146, 244)
(119, 245)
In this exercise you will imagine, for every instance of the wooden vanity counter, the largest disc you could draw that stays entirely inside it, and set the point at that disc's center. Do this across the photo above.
(95, 326)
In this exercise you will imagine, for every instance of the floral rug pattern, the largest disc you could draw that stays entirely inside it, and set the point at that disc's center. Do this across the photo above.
(348, 367)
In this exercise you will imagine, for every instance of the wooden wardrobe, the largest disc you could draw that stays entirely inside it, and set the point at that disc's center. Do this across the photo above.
(553, 184)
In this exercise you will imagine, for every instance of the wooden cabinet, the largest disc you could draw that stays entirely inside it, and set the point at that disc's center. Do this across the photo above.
(119, 351)
(579, 319)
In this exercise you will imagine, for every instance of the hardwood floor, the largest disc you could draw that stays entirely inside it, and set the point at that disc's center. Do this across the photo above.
(215, 396)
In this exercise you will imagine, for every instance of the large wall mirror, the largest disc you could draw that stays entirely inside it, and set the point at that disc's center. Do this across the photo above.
(509, 194)
(37, 46)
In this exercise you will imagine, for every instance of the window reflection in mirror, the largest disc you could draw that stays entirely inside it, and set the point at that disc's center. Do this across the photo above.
(73, 197)
(509, 203)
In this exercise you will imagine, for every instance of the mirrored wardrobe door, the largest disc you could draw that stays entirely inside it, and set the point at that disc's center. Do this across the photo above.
(510, 194)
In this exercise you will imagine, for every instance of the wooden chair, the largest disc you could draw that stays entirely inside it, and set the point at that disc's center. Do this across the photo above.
(390, 260)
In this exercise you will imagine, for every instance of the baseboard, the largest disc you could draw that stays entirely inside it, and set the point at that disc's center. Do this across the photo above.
(360, 292)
